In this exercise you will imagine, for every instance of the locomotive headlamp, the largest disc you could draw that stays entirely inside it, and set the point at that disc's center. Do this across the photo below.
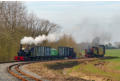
(23, 48)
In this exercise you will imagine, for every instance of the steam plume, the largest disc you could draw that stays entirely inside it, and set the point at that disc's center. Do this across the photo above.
(39, 39)
(27, 40)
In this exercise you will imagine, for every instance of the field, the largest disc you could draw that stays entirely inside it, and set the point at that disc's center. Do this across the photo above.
(103, 69)
(107, 69)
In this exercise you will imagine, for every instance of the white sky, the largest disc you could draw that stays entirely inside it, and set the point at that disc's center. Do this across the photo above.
(83, 20)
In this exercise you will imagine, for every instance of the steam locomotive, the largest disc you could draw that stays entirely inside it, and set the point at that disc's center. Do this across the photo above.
(27, 52)
(95, 51)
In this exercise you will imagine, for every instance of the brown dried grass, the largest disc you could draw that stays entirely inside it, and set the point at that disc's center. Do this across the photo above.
(54, 70)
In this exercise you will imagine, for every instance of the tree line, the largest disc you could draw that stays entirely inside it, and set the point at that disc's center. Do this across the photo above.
(16, 22)
(14, 15)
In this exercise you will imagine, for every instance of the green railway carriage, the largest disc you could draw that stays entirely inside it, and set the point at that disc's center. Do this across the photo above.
(54, 52)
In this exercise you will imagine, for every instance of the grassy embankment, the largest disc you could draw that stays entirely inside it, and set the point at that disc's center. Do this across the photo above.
(101, 70)
(109, 67)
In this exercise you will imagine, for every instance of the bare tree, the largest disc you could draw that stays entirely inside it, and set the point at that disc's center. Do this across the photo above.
(14, 15)
(15, 23)
(39, 26)
(11, 14)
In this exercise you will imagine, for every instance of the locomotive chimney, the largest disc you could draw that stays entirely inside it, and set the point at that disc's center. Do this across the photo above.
(20, 46)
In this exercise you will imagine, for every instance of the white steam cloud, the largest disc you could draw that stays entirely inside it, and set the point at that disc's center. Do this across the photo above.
(27, 40)
(39, 39)
(51, 38)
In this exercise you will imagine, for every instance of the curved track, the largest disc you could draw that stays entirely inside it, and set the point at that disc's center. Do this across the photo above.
(15, 71)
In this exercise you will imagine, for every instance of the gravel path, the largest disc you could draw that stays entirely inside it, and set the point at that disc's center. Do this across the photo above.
(4, 75)
(31, 73)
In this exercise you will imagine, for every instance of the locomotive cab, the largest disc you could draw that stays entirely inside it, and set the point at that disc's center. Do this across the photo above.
(23, 53)
(95, 51)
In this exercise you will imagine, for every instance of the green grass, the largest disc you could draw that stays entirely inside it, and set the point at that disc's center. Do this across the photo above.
(113, 52)
(113, 64)
(89, 69)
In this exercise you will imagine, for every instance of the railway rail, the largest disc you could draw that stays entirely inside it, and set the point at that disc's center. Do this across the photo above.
(16, 72)
(22, 76)
(8, 62)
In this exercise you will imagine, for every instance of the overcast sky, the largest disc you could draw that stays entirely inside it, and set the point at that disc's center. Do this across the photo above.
(83, 20)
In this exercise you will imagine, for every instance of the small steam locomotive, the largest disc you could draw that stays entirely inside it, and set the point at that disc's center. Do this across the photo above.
(95, 51)
(27, 52)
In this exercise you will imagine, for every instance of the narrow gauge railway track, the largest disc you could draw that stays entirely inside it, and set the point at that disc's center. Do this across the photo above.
(15, 71)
